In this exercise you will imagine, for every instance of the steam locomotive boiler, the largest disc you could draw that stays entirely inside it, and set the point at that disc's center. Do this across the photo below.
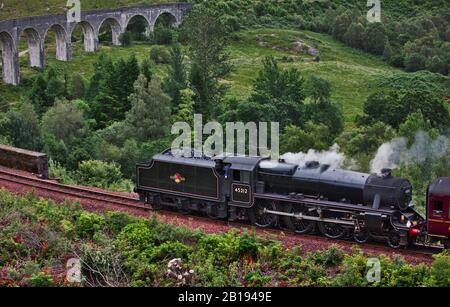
(322, 181)
(337, 203)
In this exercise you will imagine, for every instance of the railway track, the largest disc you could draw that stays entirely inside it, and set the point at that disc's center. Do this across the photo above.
(72, 191)
(126, 202)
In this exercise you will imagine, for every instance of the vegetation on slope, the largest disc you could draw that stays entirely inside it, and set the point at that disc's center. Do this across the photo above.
(320, 90)
(38, 237)
(414, 35)
(349, 71)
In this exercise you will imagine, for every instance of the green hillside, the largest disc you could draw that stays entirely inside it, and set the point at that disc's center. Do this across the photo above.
(294, 62)
(350, 71)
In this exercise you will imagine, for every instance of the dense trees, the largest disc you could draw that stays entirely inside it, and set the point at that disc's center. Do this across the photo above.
(307, 116)
(393, 107)
(278, 93)
(77, 87)
(313, 136)
(21, 127)
(109, 89)
(207, 38)
(149, 117)
(64, 121)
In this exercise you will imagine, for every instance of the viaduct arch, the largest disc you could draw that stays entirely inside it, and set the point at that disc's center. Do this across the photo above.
(35, 29)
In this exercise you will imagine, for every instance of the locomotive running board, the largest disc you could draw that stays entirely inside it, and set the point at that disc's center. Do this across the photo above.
(325, 203)
(300, 216)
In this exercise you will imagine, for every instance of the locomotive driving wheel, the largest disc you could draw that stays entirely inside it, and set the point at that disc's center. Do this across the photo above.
(259, 217)
(394, 239)
(361, 236)
(331, 230)
(300, 226)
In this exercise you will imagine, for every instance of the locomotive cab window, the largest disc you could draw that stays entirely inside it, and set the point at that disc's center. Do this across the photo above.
(438, 208)
(236, 175)
(245, 177)
(241, 176)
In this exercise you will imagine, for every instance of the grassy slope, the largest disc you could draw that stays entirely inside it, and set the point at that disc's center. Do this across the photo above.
(14, 8)
(350, 71)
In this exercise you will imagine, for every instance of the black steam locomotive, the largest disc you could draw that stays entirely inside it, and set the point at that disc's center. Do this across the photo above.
(337, 203)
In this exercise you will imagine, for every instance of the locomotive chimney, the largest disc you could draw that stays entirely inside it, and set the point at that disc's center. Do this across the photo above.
(386, 173)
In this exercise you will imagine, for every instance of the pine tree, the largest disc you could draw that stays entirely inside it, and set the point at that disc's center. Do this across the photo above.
(104, 68)
(185, 110)
(51, 73)
(387, 53)
(104, 110)
(355, 35)
(375, 38)
(146, 69)
(121, 83)
(149, 117)
(77, 87)
(176, 79)
(37, 95)
(55, 89)
(208, 42)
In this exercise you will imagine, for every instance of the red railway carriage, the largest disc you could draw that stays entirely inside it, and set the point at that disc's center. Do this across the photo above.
(438, 209)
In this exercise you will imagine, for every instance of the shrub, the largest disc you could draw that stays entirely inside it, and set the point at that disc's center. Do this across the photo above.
(40, 279)
(166, 232)
(102, 266)
(353, 272)
(168, 251)
(415, 62)
(440, 270)
(270, 253)
(98, 173)
(160, 55)
(125, 38)
(135, 238)
(116, 221)
(228, 248)
(256, 279)
(330, 258)
(88, 224)
(163, 36)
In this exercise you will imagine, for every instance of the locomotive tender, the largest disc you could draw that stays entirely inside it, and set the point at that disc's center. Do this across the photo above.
(337, 203)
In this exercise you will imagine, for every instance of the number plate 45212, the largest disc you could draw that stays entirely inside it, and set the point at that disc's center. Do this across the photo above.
(241, 193)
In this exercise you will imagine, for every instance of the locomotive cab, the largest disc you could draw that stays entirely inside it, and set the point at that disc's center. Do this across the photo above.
(241, 179)
(438, 211)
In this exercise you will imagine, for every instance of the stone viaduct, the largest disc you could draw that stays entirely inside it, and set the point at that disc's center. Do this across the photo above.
(35, 29)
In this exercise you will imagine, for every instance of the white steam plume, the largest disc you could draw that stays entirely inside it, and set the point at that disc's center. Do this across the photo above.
(332, 157)
(396, 152)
